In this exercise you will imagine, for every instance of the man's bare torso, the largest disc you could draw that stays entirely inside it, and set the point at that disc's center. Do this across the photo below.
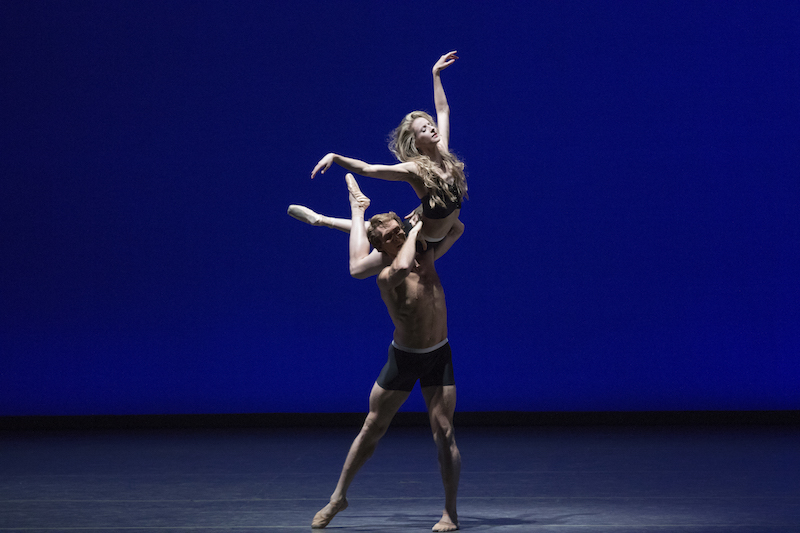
(417, 306)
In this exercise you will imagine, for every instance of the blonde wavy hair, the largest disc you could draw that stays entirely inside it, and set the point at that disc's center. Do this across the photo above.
(403, 146)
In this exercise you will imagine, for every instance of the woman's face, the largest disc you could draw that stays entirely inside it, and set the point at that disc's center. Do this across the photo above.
(425, 133)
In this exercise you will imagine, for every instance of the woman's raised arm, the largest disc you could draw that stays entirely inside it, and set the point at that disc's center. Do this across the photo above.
(440, 100)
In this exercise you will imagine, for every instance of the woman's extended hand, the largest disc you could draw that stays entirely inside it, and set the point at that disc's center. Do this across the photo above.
(323, 165)
(445, 61)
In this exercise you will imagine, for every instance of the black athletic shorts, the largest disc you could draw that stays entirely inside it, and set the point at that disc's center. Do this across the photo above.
(403, 369)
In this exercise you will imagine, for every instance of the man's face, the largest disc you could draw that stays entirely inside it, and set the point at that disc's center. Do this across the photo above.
(392, 237)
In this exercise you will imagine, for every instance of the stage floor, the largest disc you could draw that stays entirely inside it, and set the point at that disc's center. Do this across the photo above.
(526, 479)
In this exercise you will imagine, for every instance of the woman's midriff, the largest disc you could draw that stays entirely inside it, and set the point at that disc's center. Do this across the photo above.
(438, 228)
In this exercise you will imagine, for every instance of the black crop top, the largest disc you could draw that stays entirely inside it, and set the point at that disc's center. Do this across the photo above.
(438, 211)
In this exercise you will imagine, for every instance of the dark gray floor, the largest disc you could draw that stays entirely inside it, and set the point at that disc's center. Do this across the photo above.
(565, 479)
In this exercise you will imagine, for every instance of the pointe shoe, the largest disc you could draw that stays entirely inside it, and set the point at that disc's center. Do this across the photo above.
(322, 519)
(304, 214)
(360, 198)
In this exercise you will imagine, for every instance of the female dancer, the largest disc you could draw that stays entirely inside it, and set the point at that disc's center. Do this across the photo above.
(436, 175)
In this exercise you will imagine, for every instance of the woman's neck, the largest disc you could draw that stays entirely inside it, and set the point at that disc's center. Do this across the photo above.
(434, 155)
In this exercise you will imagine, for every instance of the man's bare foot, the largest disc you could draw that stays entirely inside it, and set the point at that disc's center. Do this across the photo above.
(446, 524)
(326, 514)
(304, 214)
(357, 198)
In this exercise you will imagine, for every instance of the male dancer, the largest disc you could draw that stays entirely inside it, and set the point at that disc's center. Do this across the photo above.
(414, 297)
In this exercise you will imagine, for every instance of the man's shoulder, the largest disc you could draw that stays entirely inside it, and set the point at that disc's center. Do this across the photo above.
(387, 281)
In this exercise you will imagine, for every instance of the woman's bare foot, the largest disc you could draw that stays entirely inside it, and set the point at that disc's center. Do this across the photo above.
(326, 514)
(357, 198)
(446, 524)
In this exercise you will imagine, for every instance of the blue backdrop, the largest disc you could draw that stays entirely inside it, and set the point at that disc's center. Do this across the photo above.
(632, 235)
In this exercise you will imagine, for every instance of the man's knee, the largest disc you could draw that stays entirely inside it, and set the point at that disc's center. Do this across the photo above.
(374, 427)
(443, 431)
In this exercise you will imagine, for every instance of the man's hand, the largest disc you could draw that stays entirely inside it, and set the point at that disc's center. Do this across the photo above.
(414, 233)
(414, 216)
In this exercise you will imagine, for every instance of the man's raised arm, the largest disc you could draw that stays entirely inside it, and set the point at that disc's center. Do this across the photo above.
(391, 276)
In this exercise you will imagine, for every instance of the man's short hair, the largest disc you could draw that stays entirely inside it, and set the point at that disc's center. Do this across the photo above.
(375, 222)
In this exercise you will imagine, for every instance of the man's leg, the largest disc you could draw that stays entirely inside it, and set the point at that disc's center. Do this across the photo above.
(383, 405)
(441, 402)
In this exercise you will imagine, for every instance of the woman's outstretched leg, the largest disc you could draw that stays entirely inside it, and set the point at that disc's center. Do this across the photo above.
(363, 262)
(359, 244)
(309, 216)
